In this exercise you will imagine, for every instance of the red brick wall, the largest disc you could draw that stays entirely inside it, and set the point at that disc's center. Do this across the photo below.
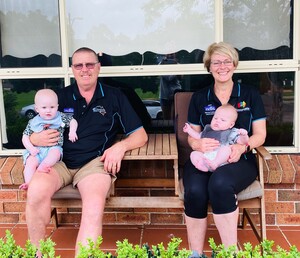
(282, 193)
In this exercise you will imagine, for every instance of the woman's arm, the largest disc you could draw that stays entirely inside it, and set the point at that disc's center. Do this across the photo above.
(259, 133)
(256, 139)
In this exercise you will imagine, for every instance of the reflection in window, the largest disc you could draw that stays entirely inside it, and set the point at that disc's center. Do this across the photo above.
(29, 34)
(150, 58)
(168, 86)
(143, 92)
(276, 88)
(18, 97)
(137, 31)
(277, 91)
(261, 30)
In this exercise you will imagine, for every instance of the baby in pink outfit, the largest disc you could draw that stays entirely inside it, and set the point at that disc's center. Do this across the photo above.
(221, 129)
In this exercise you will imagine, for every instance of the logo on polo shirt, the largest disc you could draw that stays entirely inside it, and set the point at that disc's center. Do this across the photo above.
(209, 109)
(241, 104)
(69, 110)
(99, 109)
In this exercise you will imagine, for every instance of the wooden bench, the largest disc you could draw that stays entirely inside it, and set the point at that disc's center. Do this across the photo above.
(158, 147)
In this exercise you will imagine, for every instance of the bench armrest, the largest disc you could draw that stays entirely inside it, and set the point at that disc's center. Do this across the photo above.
(263, 152)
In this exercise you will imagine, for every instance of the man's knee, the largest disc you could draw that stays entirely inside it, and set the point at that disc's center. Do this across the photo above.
(36, 192)
(39, 189)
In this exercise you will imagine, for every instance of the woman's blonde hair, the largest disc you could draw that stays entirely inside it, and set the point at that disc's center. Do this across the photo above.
(220, 48)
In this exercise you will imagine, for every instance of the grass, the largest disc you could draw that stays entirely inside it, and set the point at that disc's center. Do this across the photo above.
(146, 95)
(24, 99)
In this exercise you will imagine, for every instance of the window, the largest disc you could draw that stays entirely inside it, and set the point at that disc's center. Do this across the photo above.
(139, 32)
(30, 35)
(277, 92)
(18, 96)
(261, 30)
(134, 38)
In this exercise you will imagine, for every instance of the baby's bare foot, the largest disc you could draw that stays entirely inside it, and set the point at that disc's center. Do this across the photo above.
(201, 165)
(43, 168)
(23, 186)
(211, 164)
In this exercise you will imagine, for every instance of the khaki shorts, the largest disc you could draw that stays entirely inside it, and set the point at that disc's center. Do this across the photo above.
(68, 175)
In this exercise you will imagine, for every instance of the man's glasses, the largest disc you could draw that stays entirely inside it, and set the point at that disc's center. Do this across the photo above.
(87, 65)
(218, 63)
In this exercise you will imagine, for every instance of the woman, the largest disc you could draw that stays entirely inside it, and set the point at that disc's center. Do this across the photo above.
(221, 187)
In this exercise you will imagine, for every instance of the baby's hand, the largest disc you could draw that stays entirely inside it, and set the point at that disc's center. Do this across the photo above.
(73, 136)
(243, 131)
(186, 127)
(34, 151)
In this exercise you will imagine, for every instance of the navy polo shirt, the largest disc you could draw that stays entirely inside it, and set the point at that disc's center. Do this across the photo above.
(246, 99)
(98, 122)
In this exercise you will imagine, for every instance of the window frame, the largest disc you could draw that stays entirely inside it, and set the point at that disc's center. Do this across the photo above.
(65, 72)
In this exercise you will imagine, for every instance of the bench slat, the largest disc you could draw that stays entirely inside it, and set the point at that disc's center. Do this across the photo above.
(158, 145)
(151, 145)
(145, 182)
(144, 202)
(125, 202)
(173, 145)
(166, 144)
(143, 150)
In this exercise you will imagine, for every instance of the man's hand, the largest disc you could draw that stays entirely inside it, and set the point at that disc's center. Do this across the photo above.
(112, 158)
(45, 138)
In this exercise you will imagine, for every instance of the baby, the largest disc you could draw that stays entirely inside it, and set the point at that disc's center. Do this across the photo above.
(221, 129)
(43, 158)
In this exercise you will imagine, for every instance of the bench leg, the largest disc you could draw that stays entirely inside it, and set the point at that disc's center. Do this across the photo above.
(55, 217)
(247, 216)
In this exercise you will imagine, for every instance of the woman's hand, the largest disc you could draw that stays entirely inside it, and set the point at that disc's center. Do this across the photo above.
(204, 144)
(257, 139)
(236, 151)
(48, 138)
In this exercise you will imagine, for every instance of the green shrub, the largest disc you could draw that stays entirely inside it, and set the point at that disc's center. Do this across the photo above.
(264, 250)
(124, 249)
(9, 248)
(128, 250)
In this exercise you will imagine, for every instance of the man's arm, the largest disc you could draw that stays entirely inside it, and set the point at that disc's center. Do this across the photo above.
(113, 156)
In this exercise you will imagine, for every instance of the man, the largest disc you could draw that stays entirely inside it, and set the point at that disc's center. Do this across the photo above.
(92, 162)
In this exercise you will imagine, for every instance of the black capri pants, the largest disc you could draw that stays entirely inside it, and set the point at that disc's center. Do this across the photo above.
(219, 187)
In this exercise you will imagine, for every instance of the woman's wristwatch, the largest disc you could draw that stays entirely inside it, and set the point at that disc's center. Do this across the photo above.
(247, 148)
